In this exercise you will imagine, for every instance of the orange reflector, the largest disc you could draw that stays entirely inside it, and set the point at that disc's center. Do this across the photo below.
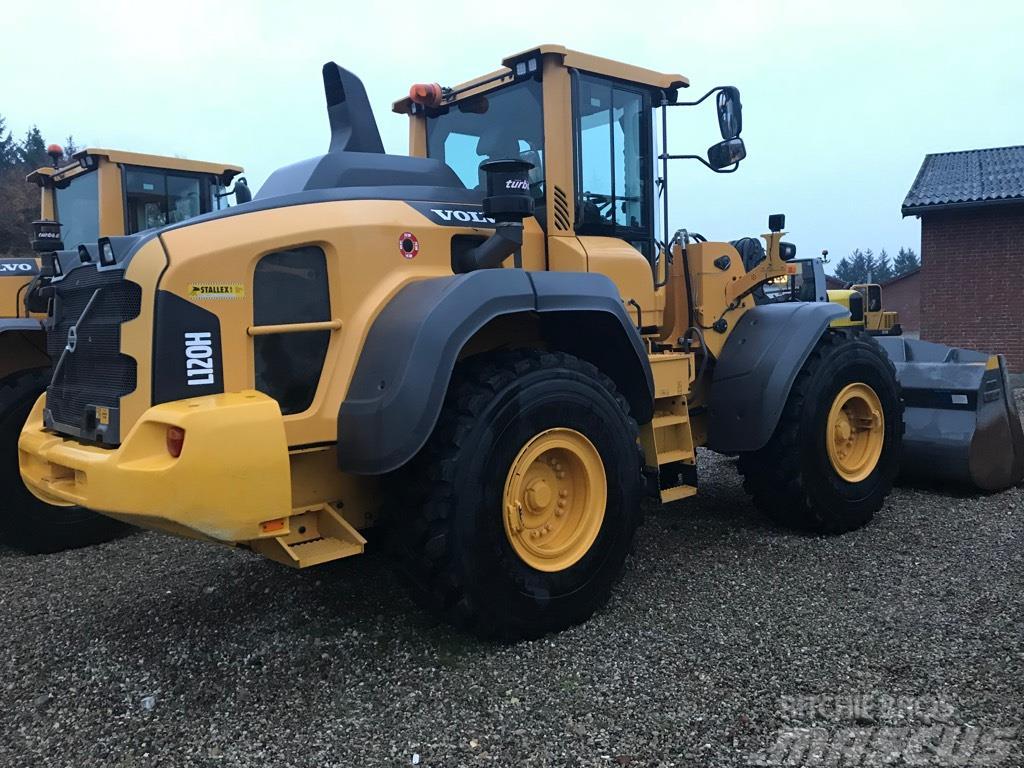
(427, 94)
(273, 525)
(175, 441)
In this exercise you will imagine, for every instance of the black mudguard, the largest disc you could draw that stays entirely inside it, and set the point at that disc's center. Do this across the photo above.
(406, 364)
(961, 421)
(756, 370)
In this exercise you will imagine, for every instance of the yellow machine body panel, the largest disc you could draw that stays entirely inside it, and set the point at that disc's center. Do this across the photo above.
(373, 250)
(846, 297)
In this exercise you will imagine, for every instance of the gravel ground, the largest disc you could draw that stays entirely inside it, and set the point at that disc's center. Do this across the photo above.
(726, 640)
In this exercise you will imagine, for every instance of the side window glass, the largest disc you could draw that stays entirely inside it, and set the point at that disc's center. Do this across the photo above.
(874, 298)
(614, 145)
(291, 287)
(156, 198)
(182, 198)
(146, 193)
(460, 154)
(595, 149)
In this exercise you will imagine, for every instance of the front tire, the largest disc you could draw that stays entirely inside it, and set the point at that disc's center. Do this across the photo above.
(835, 453)
(27, 523)
(518, 514)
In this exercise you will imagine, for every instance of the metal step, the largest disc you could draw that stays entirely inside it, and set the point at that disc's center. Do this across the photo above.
(668, 457)
(314, 536)
(669, 495)
(669, 420)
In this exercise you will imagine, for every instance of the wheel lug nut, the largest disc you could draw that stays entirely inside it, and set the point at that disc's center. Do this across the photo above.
(559, 474)
(563, 493)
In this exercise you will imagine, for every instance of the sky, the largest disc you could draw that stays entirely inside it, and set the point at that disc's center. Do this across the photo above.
(841, 101)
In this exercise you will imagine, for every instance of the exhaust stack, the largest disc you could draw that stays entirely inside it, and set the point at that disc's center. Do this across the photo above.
(353, 127)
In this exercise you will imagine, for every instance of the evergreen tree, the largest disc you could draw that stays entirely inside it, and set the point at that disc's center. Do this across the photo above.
(32, 151)
(906, 261)
(854, 268)
(843, 269)
(8, 147)
(883, 271)
(870, 266)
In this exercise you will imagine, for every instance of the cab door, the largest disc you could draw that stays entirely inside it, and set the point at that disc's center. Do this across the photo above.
(614, 181)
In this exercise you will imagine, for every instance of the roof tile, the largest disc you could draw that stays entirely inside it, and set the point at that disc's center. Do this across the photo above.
(971, 177)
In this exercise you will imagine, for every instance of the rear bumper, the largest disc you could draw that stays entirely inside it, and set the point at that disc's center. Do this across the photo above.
(233, 472)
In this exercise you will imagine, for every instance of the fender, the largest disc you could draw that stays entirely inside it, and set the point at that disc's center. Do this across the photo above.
(402, 376)
(757, 368)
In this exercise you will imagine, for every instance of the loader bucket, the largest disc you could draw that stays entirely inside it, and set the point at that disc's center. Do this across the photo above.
(962, 424)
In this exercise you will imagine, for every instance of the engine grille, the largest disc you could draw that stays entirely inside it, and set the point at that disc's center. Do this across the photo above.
(92, 374)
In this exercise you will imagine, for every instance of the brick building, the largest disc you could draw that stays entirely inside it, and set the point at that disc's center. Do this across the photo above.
(971, 206)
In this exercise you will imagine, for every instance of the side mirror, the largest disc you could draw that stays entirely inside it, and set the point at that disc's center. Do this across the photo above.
(242, 191)
(726, 153)
(730, 112)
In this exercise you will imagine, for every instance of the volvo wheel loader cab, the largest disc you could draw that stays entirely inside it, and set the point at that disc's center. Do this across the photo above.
(490, 343)
(100, 192)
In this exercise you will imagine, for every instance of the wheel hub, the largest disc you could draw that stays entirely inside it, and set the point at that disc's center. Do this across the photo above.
(856, 432)
(555, 496)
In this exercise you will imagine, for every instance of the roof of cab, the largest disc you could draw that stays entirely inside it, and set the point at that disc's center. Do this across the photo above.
(575, 60)
(137, 158)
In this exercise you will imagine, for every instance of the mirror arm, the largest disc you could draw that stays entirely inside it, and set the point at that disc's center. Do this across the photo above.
(729, 169)
(701, 100)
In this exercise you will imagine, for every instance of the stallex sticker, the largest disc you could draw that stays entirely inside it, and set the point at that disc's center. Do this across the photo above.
(204, 291)
(408, 245)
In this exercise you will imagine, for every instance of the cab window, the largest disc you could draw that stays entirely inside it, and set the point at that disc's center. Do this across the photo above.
(78, 210)
(614, 168)
(505, 124)
(155, 198)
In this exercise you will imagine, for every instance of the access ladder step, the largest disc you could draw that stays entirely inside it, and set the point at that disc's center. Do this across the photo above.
(669, 495)
(668, 457)
(669, 420)
(315, 536)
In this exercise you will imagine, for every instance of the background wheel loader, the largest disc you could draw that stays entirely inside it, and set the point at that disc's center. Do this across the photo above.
(100, 192)
(490, 344)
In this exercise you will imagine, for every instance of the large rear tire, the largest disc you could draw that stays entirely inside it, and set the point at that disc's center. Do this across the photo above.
(835, 452)
(516, 518)
(27, 523)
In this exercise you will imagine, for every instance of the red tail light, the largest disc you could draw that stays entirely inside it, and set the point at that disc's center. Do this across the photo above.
(175, 441)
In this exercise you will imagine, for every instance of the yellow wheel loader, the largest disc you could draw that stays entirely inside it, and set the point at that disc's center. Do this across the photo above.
(491, 345)
(99, 192)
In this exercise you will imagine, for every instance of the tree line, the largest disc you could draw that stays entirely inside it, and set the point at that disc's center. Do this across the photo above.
(868, 267)
(19, 201)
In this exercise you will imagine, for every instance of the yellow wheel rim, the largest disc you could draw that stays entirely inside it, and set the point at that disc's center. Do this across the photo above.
(856, 432)
(555, 496)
